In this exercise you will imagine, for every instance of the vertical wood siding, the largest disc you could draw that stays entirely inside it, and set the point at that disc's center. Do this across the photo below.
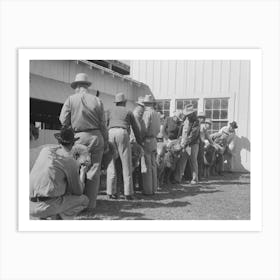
(201, 79)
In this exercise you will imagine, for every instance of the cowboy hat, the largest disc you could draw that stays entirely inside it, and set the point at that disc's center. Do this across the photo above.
(201, 115)
(209, 121)
(188, 110)
(81, 78)
(148, 99)
(66, 135)
(234, 125)
(178, 114)
(140, 101)
(120, 97)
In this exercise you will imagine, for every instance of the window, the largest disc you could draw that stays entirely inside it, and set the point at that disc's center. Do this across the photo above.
(163, 107)
(45, 114)
(181, 103)
(217, 110)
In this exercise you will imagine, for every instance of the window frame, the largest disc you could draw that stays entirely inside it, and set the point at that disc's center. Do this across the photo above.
(186, 99)
(163, 109)
(226, 121)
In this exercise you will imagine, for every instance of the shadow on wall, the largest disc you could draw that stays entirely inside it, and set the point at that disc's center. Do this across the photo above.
(240, 144)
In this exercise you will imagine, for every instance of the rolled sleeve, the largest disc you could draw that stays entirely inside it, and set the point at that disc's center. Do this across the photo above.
(65, 114)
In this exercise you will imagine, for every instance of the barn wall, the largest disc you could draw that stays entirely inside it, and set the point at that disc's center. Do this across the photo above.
(179, 79)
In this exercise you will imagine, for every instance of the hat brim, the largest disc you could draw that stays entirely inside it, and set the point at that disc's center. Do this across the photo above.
(58, 137)
(74, 84)
(140, 103)
(188, 113)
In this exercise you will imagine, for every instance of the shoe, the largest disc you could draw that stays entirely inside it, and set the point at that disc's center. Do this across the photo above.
(193, 182)
(113, 196)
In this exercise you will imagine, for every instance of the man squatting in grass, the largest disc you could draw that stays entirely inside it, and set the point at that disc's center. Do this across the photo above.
(56, 187)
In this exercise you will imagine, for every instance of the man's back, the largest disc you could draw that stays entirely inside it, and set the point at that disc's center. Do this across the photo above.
(83, 111)
(152, 122)
(119, 116)
(53, 174)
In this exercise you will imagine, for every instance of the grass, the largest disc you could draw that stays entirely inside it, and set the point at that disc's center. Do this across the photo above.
(219, 198)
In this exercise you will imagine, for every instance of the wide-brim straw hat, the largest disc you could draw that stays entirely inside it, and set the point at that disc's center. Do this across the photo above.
(140, 101)
(81, 78)
(120, 97)
(148, 99)
(66, 135)
(188, 110)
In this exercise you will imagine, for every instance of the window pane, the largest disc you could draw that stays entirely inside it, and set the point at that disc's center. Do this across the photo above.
(208, 113)
(216, 114)
(194, 104)
(216, 104)
(179, 105)
(222, 124)
(224, 114)
(208, 104)
(166, 105)
(159, 106)
(224, 104)
(215, 126)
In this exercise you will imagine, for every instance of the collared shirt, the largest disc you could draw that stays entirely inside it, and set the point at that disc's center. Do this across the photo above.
(152, 122)
(120, 116)
(83, 112)
(54, 174)
(191, 132)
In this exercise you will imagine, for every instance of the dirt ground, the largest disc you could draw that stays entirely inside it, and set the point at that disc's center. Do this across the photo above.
(220, 198)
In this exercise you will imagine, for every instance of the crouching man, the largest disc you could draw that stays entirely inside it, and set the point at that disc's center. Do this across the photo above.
(56, 187)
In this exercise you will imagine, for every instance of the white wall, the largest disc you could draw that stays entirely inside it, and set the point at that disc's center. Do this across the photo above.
(179, 79)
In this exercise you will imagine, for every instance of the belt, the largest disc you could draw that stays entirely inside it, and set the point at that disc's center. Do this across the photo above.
(87, 130)
(40, 198)
(118, 127)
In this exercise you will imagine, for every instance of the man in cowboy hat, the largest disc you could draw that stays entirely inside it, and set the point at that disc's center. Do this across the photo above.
(119, 121)
(227, 135)
(204, 135)
(56, 187)
(84, 112)
(189, 142)
(152, 124)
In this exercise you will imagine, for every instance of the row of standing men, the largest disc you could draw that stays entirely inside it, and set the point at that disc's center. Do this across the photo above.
(84, 112)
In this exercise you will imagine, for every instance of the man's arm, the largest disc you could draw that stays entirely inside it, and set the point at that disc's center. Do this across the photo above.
(65, 114)
(102, 125)
(194, 134)
(75, 183)
(135, 128)
(185, 129)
